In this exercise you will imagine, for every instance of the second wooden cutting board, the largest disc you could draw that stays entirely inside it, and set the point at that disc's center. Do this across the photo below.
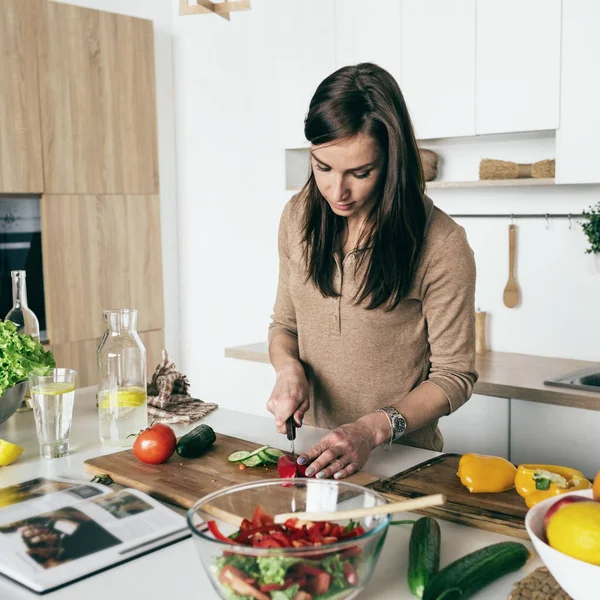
(503, 512)
(182, 481)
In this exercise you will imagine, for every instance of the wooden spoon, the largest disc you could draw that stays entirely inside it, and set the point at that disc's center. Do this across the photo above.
(511, 291)
(359, 513)
(354, 513)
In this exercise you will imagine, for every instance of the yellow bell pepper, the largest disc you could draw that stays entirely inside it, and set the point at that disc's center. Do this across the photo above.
(482, 474)
(538, 482)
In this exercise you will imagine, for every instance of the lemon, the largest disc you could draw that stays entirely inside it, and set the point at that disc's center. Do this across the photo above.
(55, 388)
(124, 397)
(9, 453)
(575, 530)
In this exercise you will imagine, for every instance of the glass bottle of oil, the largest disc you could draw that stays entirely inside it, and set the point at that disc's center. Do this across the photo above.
(121, 396)
(24, 318)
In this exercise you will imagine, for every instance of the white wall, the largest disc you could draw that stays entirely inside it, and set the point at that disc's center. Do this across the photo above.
(231, 192)
(161, 13)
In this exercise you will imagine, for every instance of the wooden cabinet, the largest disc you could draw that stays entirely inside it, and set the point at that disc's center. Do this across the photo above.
(98, 106)
(481, 426)
(518, 65)
(579, 131)
(438, 66)
(100, 252)
(81, 356)
(306, 55)
(555, 435)
(20, 134)
(368, 33)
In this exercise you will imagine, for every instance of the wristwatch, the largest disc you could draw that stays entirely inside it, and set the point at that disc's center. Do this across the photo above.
(397, 425)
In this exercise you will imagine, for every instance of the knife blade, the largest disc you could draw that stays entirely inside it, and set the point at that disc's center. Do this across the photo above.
(290, 429)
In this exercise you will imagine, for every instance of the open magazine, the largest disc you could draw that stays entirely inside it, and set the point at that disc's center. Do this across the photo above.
(54, 532)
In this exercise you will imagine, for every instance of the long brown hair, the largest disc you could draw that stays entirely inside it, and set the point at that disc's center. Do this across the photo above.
(366, 99)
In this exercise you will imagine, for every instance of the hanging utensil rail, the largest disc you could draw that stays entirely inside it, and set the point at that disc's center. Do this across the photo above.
(519, 216)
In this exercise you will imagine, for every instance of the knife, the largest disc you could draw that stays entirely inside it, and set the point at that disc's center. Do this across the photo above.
(290, 429)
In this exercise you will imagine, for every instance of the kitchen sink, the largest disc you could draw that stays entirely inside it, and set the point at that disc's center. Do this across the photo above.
(589, 379)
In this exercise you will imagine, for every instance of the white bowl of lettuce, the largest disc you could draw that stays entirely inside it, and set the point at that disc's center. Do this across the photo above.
(19, 356)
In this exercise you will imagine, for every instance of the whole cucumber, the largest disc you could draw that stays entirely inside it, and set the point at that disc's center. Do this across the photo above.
(423, 554)
(196, 442)
(469, 574)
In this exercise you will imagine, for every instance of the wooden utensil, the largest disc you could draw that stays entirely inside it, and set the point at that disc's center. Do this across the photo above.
(511, 291)
(359, 513)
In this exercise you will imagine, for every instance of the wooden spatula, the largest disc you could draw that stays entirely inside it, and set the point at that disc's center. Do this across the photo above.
(511, 291)
(359, 513)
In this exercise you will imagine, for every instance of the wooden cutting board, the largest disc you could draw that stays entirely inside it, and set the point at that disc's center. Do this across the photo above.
(503, 512)
(182, 481)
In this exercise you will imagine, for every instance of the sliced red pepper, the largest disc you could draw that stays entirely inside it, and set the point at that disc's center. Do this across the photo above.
(286, 466)
(261, 517)
(267, 542)
(245, 525)
(357, 531)
(214, 529)
(246, 535)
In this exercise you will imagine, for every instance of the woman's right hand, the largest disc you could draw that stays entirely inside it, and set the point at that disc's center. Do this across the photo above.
(289, 396)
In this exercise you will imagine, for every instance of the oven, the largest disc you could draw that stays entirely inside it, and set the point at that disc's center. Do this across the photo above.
(21, 249)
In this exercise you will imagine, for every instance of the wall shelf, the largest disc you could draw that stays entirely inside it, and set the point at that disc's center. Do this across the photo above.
(492, 183)
(204, 7)
(484, 183)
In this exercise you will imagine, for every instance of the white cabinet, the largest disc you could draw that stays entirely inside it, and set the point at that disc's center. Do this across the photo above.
(481, 425)
(368, 33)
(438, 66)
(305, 56)
(518, 65)
(555, 435)
(577, 138)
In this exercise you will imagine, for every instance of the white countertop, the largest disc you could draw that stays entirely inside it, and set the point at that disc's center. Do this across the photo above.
(176, 571)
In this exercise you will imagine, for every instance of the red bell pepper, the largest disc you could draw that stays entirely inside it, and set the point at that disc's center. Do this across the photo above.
(214, 529)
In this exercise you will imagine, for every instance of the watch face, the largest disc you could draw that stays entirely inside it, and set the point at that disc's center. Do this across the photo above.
(399, 425)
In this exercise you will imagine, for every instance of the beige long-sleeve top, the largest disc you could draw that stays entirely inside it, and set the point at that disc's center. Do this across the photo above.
(357, 360)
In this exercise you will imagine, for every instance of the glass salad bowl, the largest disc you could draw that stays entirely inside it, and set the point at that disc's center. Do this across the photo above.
(247, 555)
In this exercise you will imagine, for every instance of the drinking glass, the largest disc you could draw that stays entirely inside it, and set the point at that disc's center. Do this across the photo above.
(52, 397)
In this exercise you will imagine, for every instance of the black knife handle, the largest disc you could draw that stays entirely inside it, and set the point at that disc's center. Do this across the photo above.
(290, 428)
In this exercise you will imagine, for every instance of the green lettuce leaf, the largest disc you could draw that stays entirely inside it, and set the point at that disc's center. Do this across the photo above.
(287, 594)
(274, 568)
(19, 356)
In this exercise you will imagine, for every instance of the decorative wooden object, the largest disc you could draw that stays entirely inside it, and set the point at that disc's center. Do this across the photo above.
(204, 7)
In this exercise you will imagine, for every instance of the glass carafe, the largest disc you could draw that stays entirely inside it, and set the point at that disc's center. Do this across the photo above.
(24, 318)
(121, 395)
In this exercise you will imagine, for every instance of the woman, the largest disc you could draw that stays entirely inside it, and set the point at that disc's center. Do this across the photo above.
(372, 334)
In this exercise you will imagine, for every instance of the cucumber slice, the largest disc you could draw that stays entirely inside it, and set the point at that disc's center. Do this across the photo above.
(253, 461)
(274, 454)
(257, 451)
(238, 456)
(267, 459)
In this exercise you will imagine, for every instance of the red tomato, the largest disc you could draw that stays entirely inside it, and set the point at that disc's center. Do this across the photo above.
(155, 445)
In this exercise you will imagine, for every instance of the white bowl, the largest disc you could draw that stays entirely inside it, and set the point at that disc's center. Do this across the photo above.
(579, 579)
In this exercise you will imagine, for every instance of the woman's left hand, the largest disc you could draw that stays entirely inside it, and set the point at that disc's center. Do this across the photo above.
(341, 452)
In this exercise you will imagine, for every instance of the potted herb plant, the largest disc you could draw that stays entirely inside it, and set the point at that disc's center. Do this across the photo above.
(591, 228)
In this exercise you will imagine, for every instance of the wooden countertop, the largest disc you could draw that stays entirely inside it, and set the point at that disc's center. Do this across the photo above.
(502, 374)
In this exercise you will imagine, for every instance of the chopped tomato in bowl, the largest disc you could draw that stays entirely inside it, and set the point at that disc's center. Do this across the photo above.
(297, 559)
